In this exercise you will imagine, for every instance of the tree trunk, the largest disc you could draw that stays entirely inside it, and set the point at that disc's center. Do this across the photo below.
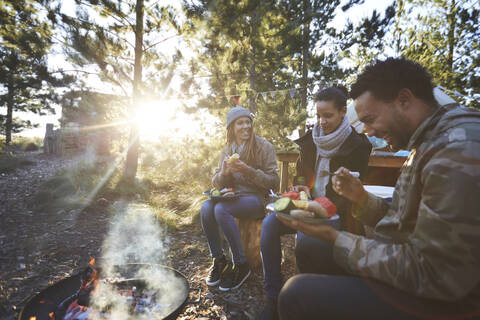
(397, 31)
(9, 122)
(305, 56)
(131, 164)
(253, 75)
(451, 38)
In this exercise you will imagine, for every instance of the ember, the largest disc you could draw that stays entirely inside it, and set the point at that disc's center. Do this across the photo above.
(132, 294)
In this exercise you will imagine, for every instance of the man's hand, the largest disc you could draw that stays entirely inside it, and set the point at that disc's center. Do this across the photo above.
(299, 188)
(320, 231)
(348, 186)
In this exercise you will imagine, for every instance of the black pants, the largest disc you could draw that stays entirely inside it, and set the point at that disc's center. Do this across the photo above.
(331, 293)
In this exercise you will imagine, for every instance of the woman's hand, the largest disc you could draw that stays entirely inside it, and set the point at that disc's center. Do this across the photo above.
(239, 166)
(320, 231)
(225, 169)
(300, 187)
(348, 186)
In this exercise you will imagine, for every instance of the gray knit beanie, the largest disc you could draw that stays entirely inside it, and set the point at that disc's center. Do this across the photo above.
(236, 113)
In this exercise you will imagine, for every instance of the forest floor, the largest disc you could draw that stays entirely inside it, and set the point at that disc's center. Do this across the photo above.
(38, 249)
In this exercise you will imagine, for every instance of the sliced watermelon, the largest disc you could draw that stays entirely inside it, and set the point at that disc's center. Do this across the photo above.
(328, 205)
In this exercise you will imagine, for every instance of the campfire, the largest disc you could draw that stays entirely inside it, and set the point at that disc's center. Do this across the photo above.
(118, 286)
(108, 298)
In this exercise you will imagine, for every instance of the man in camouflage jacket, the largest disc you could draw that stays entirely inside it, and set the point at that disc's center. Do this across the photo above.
(424, 258)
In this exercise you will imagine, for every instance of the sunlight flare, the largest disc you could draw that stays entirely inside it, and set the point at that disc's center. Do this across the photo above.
(165, 118)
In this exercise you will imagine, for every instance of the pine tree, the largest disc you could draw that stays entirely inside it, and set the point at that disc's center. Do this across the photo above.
(101, 35)
(27, 84)
(362, 42)
(446, 42)
(264, 46)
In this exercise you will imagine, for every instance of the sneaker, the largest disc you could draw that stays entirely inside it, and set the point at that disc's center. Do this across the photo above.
(235, 278)
(218, 267)
(269, 312)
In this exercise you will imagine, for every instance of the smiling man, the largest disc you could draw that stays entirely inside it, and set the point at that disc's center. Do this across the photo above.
(424, 258)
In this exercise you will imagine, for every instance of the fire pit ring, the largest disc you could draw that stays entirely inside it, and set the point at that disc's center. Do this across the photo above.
(46, 301)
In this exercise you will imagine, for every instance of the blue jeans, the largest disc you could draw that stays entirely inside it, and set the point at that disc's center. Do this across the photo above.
(309, 253)
(221, 214)
(320, 296)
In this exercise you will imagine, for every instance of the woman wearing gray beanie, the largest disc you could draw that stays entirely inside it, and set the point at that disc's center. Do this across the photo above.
(251, 176)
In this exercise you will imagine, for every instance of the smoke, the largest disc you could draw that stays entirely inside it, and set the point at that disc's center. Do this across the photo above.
(135, 248)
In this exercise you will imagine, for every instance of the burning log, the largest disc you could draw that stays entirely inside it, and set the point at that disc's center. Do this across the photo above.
(154, 292)
(132, 292)
(81, 298)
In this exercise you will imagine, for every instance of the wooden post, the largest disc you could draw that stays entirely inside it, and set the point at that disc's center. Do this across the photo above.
(48, 140)
(284, 176)
(285, 158)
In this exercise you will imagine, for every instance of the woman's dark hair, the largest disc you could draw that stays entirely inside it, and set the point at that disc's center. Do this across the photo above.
(336, 94)
(384, 79)
(249, 153)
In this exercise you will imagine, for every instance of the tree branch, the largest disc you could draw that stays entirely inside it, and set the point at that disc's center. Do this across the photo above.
(163, 40)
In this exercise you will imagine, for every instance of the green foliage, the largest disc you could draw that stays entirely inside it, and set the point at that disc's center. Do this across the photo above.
(27, 84)
(363, 42)
(100, 36)
(259, 46)
(22, 143)
(442, 35)
(17, 125)
(9, 162)
(446, 42)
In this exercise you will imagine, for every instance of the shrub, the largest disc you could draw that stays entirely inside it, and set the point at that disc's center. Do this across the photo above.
(31, 147)
(9, 162)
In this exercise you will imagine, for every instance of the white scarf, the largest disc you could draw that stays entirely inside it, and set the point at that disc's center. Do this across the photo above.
(238, 149)
(327, 147)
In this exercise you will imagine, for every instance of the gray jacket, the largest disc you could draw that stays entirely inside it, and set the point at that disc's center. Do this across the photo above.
(427, 242)
(262, 176)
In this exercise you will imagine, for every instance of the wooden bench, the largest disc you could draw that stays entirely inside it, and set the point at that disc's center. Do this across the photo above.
(383, 168)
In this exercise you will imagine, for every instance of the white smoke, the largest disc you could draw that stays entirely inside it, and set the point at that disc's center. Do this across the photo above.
(135, 247)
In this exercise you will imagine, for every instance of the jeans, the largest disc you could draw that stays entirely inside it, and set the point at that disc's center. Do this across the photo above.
(319, 296)
(221, 214)
(309, 253)
(326, 291)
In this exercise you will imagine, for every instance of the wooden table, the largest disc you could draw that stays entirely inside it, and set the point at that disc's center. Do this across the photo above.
(383, 168)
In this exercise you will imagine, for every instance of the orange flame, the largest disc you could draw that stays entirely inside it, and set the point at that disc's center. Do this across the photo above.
(51, 315)
(92, 261)
(33, 318)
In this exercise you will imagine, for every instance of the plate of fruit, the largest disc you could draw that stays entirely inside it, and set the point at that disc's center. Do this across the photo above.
(319, 210)
(223, 194)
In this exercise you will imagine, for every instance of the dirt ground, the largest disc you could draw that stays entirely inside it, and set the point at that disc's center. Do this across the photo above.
(37, 249)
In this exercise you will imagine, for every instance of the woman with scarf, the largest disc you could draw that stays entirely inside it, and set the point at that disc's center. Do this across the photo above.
(251, 176)
(331, 144)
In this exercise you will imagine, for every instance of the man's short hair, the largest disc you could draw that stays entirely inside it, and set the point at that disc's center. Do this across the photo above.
(384, 79)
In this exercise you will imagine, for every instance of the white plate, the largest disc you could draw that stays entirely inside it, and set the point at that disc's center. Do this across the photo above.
(270, 207)
(380, 191)
(308, 220)
(220, 198)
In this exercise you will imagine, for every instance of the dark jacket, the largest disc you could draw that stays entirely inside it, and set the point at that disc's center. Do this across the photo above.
(353, 155)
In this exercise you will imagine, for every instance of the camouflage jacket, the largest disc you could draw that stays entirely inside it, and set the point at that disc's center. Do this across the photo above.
(427, 242)
(262, 177)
